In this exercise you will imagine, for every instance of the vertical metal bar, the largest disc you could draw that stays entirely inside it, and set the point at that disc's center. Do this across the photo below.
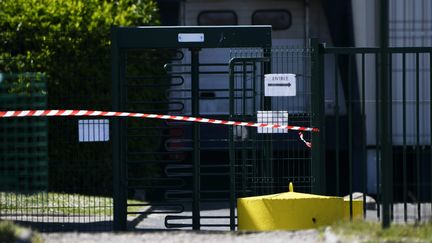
(430, 125)
(386, 163)
(123, 140)
(119, 196)
(417, 76)
(231, 146)
(196, 139)
(404, 148)
(317, 88)
(268, 148)
(244, 149)
(350, 136)
(337, 149)
(363, 116)
(390, 125)
(377, 136)
(255, 98)
(262, 140)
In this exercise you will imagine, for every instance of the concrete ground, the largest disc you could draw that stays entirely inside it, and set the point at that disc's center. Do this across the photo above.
(151, 228)
(191, 236)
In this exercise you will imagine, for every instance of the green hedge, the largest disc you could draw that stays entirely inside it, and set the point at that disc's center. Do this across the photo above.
(37, 32)
(69, 41)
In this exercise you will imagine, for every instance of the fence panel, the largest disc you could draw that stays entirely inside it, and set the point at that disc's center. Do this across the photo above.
(265, 161)
(353, 116)
(59, 169)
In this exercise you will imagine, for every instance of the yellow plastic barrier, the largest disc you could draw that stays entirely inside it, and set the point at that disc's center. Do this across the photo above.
(357, 209)
(288, 211)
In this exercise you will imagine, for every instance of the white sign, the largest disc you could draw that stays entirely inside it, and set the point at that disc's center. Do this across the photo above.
(273, 117)
(191, 37)
(93, 130)
(280, 84)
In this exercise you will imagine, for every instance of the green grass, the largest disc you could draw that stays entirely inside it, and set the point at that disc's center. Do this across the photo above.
(58, 203)
(373, 232)
(9, 232)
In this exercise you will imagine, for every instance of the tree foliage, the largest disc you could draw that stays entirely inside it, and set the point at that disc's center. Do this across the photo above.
(37, 33)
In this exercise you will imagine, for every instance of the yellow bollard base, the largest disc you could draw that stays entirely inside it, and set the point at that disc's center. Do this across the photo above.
(288, 211)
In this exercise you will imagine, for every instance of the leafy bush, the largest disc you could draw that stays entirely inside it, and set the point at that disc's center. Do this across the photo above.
(69, 41)
(36, 31)
(9, 232)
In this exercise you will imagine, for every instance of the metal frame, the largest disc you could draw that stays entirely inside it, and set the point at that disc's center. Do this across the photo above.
(384, 145)
(232, 63)
(167, 37)
(127, 38)
(317, 89)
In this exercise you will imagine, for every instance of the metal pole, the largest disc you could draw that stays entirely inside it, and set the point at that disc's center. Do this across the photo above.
(231, 146)
(119, 188)
(318, 120)
(386, 160)
(196, 139)
(350, 137)
(268, 146)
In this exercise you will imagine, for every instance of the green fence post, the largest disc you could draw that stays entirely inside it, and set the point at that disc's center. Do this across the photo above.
(318, 118)
(268, 141)
(196, 139)
(231, 146)
(386, 160)
(119, 195)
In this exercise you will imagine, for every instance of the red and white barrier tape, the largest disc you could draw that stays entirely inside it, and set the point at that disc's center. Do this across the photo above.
(308, 144)
(27, 113)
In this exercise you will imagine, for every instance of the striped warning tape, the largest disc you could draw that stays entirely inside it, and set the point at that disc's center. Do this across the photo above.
(308, 144)
(26, 113)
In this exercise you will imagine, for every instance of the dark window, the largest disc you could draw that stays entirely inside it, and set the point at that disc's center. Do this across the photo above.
(226, 17)
(278, 19)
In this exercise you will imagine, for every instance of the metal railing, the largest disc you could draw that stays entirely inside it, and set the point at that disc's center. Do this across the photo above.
(355, 107)
(339, 92)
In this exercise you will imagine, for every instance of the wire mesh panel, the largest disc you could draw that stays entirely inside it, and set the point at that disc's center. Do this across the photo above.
(266, 160)
(57, 171)
(24, 142)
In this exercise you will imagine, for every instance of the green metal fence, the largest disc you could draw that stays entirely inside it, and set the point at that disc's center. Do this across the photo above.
(58, 170)
(355, 107)
(338, 91)
(269, 160)
(159, 174)
(24, 142)
(266, 161)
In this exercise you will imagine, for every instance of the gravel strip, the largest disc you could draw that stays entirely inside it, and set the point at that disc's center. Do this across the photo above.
(190, 236)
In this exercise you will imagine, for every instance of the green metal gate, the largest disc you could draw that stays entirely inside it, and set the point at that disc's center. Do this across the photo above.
(266, 161)
(180, 167)
(356, 102)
